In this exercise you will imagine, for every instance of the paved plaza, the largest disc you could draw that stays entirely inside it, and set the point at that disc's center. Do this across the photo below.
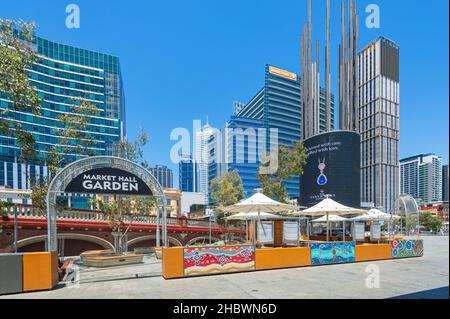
(425, 277)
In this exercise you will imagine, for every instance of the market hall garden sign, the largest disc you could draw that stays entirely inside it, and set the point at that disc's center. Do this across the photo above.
(107, 180)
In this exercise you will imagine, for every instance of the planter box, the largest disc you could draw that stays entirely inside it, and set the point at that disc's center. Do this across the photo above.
(144, 250)
(10, 273)
(369, 252)
(40, 271)
(276, 258)
(111, 261)
(95, 253)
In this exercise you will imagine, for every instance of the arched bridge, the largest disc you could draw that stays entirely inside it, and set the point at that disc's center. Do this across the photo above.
(81, 230)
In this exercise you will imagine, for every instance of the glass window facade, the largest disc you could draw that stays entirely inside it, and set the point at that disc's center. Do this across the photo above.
(61, 74)
(276, 106)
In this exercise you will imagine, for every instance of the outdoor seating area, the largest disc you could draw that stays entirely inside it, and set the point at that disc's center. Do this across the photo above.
(311, 237)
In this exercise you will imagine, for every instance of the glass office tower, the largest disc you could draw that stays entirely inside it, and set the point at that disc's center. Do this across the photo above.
(276, 106)
(61, 74)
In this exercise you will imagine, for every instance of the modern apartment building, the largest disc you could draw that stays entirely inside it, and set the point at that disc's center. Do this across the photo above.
(421, 177)
(163, 174)
(61, 74)
(379, 122)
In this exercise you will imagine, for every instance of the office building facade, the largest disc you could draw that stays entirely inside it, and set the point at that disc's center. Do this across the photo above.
(163, 174)
(61, 75)
(201, 159)
(187, 174)
(379, 122)
(421, 177)
(275, 110)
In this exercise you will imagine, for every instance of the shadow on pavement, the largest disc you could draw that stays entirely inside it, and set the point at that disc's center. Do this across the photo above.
(438, 293)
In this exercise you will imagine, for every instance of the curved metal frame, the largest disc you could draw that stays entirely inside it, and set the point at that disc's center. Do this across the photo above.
(65, 176)
(401, 199)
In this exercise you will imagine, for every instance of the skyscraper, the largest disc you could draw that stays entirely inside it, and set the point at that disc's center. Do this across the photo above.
(163, 174)
(276, 106)
(188, 174)
(421, 177)
(61, 74)
(379, 122)
(202, 159)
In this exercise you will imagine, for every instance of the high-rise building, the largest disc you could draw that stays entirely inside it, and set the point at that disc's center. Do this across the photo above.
(188, 175)
(237, 147)
(379, 122)
(163, 174)
(276, 107)
(61, 74)
(237, 107)
(421, 177)
(202, 159)
(445, 183)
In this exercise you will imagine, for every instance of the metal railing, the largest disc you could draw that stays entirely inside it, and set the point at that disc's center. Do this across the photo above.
(73, 214)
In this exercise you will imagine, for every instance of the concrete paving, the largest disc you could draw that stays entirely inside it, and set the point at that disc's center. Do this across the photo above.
(426, 277)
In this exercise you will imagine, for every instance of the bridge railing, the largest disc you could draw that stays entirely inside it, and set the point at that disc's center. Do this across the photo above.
(74, 214)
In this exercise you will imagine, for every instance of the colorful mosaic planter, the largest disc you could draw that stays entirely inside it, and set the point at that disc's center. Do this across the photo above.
(332, 253)
(211, 260)
(407, 248)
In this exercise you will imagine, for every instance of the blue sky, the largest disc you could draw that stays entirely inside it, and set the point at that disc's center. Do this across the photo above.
(188, 59)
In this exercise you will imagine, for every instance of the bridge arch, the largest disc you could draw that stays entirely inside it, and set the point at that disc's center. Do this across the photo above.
(170, 239)
(202, 238)
(89, 238)
(73, 171)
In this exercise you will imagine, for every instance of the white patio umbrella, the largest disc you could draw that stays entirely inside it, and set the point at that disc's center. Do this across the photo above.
(333, 219)
(375, 215)
(329, 207)
(253, 215)
(258, 202)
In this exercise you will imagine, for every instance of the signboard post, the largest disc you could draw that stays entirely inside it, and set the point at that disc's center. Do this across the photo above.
(359, 231)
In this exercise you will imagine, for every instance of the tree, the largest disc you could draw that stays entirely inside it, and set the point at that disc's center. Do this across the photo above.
(74, 136)
(133, 151)
(226, 191)
(16, 56)
(291, 161)
(430, 222)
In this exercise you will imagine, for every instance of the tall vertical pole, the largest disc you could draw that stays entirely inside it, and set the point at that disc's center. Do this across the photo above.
(356, 68)
(158, 223)
(327, 69)
(15, 228)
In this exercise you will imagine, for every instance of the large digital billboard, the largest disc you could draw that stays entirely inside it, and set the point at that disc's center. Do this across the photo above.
(332, 169)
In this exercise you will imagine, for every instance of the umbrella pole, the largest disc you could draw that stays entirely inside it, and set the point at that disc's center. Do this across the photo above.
(328, 229)
(343, 230)
(246, 229)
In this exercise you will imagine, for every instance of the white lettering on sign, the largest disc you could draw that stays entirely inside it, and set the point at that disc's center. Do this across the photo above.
(107, 182)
